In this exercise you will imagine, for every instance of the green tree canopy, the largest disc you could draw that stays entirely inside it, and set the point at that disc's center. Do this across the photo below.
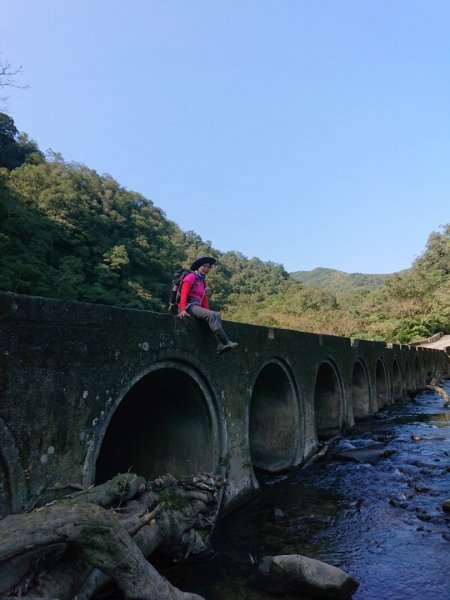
(67, 232)
(16, 148)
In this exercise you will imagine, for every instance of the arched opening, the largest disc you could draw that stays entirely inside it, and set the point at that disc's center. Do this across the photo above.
(274, 420)
(397, 387)
(164, 424)
(327, 402)
(13, 486)
(382, 390)
(360, 391)
(5, 493)
(409, 377)
(444, 363)
(422, 370)
(417, 379)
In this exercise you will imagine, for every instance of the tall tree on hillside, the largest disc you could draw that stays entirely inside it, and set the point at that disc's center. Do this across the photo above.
(429, 272)
(16, 148)
(91, 239)
(435, 261)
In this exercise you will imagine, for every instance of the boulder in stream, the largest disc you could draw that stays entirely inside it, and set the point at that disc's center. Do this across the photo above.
(369, 454)
(308, 576)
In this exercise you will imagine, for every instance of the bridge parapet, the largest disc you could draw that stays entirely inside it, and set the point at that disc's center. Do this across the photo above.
(89, 390)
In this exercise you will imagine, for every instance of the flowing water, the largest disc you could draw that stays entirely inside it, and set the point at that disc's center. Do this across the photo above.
(381, 522)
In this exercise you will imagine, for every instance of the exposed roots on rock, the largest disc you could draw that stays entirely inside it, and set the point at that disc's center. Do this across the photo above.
(73, 546)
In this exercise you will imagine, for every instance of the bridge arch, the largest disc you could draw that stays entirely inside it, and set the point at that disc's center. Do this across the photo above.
(428, 368)
(328, 400)
(360, 391)
(381, 385)
(417, 377)
(408, 375)
(166, 422)
(13, 487)
(421, 372)
(431, 364)
(397, 383)
(275, 430)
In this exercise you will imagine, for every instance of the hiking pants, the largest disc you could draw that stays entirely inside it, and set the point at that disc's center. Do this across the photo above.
(210, 316)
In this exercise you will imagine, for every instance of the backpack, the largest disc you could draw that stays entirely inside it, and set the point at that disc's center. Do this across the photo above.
(175, 290)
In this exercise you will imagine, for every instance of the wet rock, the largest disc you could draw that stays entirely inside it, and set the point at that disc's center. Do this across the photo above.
(399, 502)
(446, 506)
(276, 515)
(371, 454)
(380, 416)
(343, 445)
(408, 470)
(446, 537)
(424, 516)
(432, 515)
(421, 489)
(308, 576)
(416, 437)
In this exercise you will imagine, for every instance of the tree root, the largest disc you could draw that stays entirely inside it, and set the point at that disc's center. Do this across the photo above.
(71, 547)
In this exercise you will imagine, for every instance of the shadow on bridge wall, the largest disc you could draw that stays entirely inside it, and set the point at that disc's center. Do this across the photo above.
(88, 391)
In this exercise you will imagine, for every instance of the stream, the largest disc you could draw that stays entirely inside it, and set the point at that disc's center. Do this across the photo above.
(381, 521)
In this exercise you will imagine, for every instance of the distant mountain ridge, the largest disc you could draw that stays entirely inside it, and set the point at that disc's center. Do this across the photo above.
(339, 281)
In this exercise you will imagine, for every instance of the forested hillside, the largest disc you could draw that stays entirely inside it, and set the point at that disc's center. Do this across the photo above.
(409, 306)
(68, 232)
(339, 281)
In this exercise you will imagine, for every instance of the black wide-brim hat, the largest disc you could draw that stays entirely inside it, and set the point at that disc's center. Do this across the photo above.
(202, 260)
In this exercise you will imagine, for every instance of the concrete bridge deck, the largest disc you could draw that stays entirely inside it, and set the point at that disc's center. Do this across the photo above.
(88, 390)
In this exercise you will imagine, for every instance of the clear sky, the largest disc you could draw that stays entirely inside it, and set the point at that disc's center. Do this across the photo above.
(307, 132)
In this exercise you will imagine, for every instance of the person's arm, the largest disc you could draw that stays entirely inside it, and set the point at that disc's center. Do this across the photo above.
(186, 286)
(205, 303)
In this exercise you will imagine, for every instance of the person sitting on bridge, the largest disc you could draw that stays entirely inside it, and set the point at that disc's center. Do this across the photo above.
(194, 302)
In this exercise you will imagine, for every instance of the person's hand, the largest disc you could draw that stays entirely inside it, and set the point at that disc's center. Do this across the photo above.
(183, 314)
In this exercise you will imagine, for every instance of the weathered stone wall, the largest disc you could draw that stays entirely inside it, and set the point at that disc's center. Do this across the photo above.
(89, 390)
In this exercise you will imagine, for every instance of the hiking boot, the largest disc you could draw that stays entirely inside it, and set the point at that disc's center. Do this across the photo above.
(221, 348)
(223, 342)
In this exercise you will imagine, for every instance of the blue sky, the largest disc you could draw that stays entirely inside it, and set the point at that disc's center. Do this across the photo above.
(307, 132)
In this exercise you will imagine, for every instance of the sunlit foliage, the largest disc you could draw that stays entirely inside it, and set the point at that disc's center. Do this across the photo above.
(68, 232)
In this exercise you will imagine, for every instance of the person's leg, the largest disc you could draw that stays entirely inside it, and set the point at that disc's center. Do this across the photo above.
(210, 316)
(214, 321)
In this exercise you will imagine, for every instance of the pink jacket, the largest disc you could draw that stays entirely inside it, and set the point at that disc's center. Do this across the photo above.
(193, 291)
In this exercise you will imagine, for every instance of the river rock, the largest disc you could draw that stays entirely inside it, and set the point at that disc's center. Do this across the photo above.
(446, 506)
(399, 501)
(370, 454)
(308, 576)
(276, 515)
(381, 416)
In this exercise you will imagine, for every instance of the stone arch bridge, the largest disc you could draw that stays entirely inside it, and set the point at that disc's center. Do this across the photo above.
(88, 390)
